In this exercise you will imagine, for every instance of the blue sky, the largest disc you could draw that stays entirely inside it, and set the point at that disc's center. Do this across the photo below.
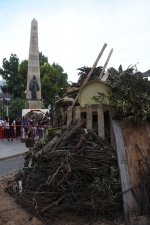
(72, 32)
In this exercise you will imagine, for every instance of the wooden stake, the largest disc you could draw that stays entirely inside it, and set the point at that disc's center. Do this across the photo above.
(101, 74)
(91, 71)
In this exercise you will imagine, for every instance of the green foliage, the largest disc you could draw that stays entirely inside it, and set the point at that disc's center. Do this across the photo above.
(53, 78)
(17, 103)
(53, 82)
(43, 59)
(10, 73)
(130, 96)
(39, 145)
(22, 79)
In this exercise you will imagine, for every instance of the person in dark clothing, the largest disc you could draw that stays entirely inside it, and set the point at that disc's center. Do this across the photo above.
(11, 124)
(40, 128)
(18, 127)
(32, 127)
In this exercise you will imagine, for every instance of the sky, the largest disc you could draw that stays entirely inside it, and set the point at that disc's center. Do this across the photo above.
(73, 32)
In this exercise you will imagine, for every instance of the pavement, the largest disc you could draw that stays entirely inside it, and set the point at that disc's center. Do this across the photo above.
(11, 156)
(10, 166)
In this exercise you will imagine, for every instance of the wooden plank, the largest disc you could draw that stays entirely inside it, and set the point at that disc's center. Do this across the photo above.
(72, 89)
(89, 116)
(128, 200)
(47, 146)
(101, 132)
(101, 74)
(69, 115)
(91, 71)
(77, 113)
(135, 134)
(94, 108)
(112, 135)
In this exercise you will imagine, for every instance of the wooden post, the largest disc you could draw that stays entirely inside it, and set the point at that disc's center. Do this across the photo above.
(101, 132)
(112, 136)
(101, 74)
(123, 170)
(77, 113)
(91, 71)
(89, 117)
(69, 116)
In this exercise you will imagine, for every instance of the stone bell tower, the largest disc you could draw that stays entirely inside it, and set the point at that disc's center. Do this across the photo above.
(33, 90)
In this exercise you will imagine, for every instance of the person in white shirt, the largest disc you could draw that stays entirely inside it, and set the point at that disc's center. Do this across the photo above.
(6, 128)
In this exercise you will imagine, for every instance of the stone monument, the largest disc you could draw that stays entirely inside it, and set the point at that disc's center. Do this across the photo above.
(33, 91)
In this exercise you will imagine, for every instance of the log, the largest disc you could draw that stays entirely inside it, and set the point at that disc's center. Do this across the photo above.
(91, 71)
(101, 74)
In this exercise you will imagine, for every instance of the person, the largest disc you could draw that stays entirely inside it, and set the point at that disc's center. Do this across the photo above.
(40, 128)
(32, 127)
(25, 125)
(1, 122)
(34, 87)
(18, 127)
(11, 129)
(46, 121)
(6, 128)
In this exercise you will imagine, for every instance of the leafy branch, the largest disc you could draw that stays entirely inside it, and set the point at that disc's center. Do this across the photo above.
(130, 95)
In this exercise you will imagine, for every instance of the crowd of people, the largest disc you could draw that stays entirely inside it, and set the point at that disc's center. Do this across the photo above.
(27, 127)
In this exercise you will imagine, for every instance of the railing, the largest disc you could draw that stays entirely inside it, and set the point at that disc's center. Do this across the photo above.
(21, 132)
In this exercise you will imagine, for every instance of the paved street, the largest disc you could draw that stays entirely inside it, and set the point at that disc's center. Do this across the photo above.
(11, 156)
(11, 148)
(10, 166)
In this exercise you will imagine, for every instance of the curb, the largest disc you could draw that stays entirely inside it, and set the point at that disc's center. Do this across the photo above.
(12, 156)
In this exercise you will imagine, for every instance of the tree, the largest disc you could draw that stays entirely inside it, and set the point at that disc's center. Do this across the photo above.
(42, 58)
(13, 104)
(53, 78)
(17, 103)
(53, 82)
(10, 73)
(129, 96)
(22, 78)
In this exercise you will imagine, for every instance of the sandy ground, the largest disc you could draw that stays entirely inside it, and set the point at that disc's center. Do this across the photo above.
(10, 212)
(13, 214)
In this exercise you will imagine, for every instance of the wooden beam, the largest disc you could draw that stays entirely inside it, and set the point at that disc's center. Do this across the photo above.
(77, 113)
(91, 71)
(112, 136)
(128, 199)
(89, 117)
(101, 74)
(69, 116)
(101, 131)
(72, 89)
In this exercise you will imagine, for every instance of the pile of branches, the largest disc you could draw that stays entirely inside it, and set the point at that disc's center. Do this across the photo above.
(75, 174)
(84, 71)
